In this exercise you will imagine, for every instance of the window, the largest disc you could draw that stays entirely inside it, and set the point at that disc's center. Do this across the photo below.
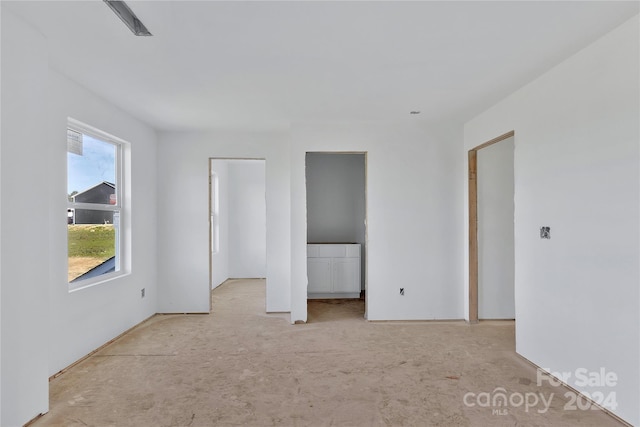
(94, 205)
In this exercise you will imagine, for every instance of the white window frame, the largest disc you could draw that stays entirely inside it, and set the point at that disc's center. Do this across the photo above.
(118, 208)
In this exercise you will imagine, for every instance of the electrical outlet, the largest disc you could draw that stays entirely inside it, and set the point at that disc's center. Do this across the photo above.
(401, 291)
(545, 232)
(142, 293)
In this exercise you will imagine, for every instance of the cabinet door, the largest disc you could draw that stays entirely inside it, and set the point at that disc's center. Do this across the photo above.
(346, 274)
(319, 275)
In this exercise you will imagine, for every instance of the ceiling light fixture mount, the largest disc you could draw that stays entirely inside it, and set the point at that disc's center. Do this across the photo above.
(129, 18)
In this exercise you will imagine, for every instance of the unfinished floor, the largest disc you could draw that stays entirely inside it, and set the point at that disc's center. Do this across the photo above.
(240, 366)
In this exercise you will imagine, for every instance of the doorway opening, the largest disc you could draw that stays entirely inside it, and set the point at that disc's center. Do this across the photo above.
(491, 230)
(237, 220)
(336, 184)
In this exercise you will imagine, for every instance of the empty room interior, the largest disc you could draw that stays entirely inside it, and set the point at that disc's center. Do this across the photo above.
(319, 213)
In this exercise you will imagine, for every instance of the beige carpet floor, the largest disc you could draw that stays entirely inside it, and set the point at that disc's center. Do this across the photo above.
(241, 367)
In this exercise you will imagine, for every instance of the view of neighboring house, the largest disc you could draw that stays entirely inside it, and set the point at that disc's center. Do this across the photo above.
(102, 193)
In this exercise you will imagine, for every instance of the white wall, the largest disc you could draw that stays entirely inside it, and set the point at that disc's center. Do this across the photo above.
(45, 328)
(247, 219)
(220, 260)
(414, 212)
(25, 166)
(577, 171)
(183, 251)
(495, 231)
(336, 203)
(85, 319)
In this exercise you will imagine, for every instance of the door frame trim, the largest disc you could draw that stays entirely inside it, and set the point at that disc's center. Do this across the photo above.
(472, 173)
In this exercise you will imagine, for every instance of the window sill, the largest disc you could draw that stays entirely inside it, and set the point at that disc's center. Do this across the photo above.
(89, 283)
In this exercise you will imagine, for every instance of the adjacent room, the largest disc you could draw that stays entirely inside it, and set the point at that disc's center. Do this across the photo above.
(238, 219)
(336, 229)
(316, 213)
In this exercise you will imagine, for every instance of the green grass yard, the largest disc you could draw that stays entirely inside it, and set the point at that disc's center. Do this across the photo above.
(91, 240)
(89, 245)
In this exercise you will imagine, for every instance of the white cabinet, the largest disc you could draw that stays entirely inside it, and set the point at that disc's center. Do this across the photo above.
(333, 270)
(319, 273)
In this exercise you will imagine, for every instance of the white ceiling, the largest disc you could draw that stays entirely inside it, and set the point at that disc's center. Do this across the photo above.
(265, 65)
